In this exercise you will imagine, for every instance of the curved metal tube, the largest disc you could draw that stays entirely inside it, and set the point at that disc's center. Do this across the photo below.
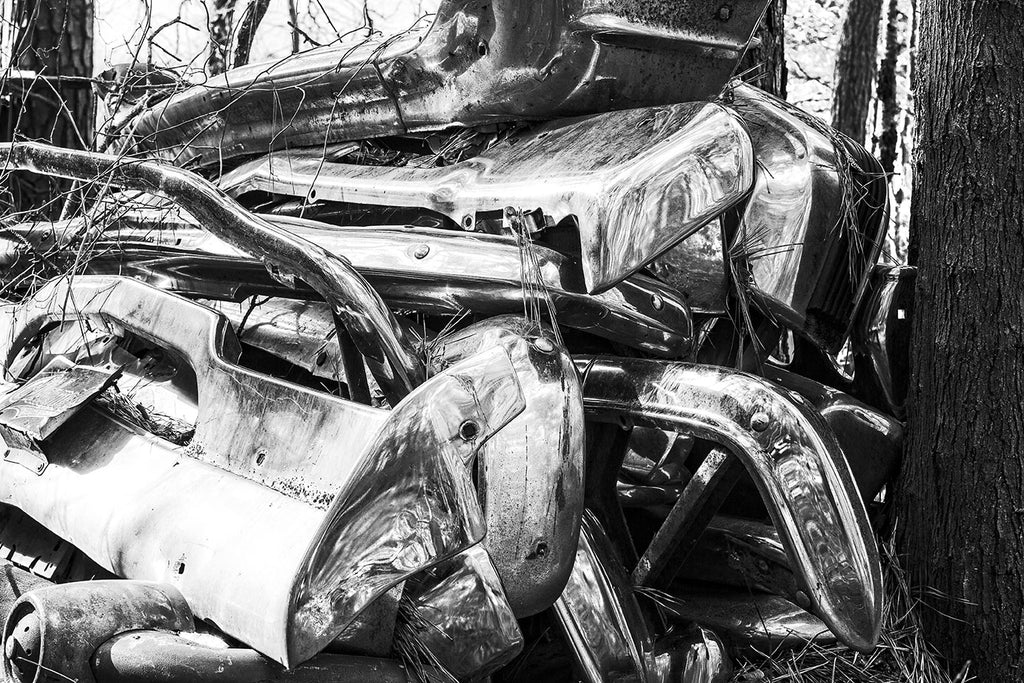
(871, 441)
(390, 356)
(479, 63)
(424, 269)
(792, 457)
(148, 656)
(55, 629)
(530, 476)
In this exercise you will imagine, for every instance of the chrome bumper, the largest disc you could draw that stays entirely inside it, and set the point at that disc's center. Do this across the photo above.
(423, 269)
(792, 457)
(266, 457)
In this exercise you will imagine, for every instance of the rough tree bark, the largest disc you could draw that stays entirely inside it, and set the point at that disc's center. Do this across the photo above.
(889, 137)
(856, 64)
(962, 493)
(764, 63)
(58, 106)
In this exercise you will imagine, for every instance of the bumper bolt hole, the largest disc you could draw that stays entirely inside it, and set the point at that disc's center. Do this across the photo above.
(469, 430)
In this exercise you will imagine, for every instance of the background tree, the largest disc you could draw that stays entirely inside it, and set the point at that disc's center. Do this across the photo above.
(962, 493)
(764, 63)
(856, 65)
(56, 104)
(230, 47)
(888, 137)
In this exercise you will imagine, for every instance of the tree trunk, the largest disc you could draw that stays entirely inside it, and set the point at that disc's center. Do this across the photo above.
(764, 63)
(221, 20)
(856, 64)
(226, 47)
(58, 105)
(962, 493)
(889, 137)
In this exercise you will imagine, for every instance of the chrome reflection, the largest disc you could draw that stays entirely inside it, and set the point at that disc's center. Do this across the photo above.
(424, 269)
(264, 455)
(530, 475)
(390, 356)
(460, 615)
(871, 441)
(882, 339)
(636, 182)
(790, 454)
(477, 64)
(815, 221)
(761, 621)
(599, 614)
(409, 506)
(697, 655)
(609, 634)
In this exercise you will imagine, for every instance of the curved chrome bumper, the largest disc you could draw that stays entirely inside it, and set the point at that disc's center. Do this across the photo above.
(236, 520)
(792, 457)
(530, 477)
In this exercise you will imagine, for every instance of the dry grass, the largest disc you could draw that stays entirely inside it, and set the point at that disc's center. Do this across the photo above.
(902, 656)
(125, 407)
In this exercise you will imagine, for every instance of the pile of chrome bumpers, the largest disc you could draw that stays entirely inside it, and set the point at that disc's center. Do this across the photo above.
(246, 441)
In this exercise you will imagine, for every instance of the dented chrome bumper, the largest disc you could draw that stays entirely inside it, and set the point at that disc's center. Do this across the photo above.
(792, 457)
(267, 457)
(289, 511)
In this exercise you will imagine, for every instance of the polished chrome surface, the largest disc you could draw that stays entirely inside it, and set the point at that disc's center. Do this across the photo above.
(882, 338)
(461, 616)
(636, 182)
(396, 366)
(408, 506)
(403, 499)
(599, 614)
(610, 636)
(458, 271)
(478, 64)
(698, 655)
(530, 474)
(815, 221)
(758, 620)
(872, 441)
(792, 457)
(698, 270)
